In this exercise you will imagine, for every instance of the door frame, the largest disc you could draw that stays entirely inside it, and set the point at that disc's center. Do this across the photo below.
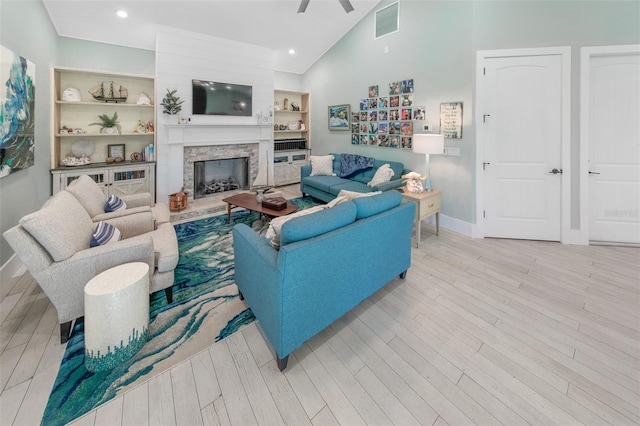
(565, 54)
(586, 55)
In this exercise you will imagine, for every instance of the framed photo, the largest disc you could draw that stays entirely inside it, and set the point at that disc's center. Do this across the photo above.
(115, 151)
(339, 117)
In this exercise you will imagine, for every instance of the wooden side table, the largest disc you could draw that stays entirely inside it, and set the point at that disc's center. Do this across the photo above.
(427, 203)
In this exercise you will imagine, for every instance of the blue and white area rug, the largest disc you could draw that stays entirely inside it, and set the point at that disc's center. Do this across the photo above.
(205, 309)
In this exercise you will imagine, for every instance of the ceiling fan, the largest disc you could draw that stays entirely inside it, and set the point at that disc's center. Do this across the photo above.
(346, 5)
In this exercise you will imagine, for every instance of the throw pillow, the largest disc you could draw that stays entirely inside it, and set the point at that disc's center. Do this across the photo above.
(88, 193)
(114, 203)
(62, 226)
(383, 174)
(273, 233)
(105, 233)
(336, 201)
(321, 165)
(353, 194)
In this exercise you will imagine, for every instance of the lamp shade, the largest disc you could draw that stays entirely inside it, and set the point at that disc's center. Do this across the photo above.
(428, 143)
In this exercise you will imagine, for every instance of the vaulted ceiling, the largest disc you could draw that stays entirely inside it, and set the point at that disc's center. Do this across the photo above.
(273, 24)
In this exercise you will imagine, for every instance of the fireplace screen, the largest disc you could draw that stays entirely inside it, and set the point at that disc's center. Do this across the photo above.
(216, 176)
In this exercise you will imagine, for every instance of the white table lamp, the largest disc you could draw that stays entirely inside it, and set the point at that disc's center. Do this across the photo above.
(428, 143)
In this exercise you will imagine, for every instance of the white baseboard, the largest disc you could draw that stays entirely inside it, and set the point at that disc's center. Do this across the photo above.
(11, 268)
(453, 224)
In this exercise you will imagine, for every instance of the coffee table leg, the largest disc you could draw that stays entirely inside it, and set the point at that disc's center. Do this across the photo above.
(228, 213)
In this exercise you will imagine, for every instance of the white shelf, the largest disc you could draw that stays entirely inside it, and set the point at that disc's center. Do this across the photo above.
(99, 135)
(102, 104)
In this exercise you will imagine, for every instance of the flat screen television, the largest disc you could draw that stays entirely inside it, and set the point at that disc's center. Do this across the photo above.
(214, 98)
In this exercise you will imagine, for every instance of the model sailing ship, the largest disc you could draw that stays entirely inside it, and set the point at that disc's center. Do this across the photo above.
(105, 92)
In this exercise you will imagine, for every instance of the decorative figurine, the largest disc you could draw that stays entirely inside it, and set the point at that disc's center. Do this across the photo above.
(414, 182)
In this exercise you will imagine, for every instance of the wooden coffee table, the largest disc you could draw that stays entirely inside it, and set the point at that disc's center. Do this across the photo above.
(248, 201)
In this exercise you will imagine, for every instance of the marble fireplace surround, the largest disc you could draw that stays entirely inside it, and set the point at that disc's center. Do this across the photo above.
(189, 143)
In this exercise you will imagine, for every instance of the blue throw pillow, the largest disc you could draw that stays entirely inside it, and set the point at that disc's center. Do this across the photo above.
(105, 233)
(114, 203)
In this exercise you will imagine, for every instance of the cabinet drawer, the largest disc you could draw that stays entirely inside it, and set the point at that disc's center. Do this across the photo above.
(430, 205)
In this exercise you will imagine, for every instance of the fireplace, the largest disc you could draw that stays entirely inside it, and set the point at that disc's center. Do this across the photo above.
(211, 170)
(216, 176)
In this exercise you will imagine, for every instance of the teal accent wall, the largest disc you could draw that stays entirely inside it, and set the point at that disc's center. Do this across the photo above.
(436, 46)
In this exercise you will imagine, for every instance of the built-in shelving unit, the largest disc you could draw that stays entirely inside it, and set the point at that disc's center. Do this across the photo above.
(292, 135)
(77, 116)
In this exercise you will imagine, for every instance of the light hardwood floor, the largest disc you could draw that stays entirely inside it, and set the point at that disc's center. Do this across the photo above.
(480, 332)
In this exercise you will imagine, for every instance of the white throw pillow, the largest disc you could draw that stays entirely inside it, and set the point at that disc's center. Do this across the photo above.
(273, 233)
(321, 165)
(353, 194)
(336, 201)
(383, 174)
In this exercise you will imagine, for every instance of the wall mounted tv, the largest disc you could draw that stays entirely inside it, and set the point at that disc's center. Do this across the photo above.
(213, 98)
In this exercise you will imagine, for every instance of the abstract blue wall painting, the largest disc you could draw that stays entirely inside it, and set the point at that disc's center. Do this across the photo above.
(17, 107)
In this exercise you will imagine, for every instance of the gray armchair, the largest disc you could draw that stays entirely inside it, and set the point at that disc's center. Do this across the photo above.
(54, 245)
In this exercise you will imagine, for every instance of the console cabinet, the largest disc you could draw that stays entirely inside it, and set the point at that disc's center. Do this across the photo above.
(120, 179)
(286, 167)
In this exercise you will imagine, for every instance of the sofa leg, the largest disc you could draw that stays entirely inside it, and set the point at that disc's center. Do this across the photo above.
(169, 293)
(282, 363)
(65, 332)
(241, 295)
(403, 275)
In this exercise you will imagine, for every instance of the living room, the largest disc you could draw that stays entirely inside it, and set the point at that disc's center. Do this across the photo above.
(436, 46)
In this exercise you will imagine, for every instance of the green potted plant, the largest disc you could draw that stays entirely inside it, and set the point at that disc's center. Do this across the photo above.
(108, 124)
(171, 103)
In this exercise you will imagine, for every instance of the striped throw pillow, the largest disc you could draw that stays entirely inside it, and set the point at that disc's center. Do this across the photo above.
(114, 203)
(105, 233)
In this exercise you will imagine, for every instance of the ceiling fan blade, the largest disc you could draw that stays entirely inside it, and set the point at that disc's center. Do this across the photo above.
(346, 5)
(303, 6)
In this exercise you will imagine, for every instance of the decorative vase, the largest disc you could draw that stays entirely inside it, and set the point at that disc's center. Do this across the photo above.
(259, 195)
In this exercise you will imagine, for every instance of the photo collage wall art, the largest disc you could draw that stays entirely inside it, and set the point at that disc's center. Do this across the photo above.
(385, 118)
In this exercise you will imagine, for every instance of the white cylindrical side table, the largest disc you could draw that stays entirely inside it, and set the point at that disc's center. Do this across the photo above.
(116, 315)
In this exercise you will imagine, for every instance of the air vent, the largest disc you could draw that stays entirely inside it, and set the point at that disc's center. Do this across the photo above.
(387, 21)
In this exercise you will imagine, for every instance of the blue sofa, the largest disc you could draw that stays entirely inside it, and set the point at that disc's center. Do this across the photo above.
(326, 188)
(328, 262)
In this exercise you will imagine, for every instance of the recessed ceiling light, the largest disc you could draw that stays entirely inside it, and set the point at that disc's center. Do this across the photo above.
(122, 13)
(292, 52)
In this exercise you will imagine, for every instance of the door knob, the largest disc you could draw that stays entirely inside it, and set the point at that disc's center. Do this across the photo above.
(556, 171)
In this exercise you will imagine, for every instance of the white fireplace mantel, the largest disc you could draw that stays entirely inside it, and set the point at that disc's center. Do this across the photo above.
(175, 137)
(214, 134)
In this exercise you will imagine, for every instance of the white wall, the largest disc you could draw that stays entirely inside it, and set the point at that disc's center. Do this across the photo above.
(182, 56)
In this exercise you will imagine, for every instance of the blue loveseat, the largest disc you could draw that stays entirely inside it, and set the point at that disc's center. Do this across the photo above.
(320, 272)
(326, 188)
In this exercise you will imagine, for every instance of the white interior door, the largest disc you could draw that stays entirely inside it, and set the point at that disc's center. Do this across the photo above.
(614, 148)
(522, 130)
